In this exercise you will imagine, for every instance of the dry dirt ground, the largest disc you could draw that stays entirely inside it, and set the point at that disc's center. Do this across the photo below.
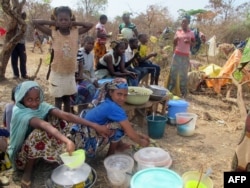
(218, 130)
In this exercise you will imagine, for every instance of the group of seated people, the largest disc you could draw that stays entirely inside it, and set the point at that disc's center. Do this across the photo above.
(122, 60)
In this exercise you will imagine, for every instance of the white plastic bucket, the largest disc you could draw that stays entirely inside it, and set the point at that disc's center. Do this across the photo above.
(186, 123)
(119, 169)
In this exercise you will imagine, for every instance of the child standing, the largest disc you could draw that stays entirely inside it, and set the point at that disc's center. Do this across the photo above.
(37, 41)
(127, 28)
(64, 32)
(144, 61)
(100, 44)
(86, 87)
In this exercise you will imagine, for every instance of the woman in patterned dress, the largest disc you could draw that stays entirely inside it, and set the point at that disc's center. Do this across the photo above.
(32, 137)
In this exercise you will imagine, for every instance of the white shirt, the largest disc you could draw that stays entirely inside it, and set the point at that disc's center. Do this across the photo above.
(129, 54)
(88, 64)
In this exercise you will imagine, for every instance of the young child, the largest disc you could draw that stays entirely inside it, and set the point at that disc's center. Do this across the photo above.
(86, 88)
(32, 137)
(64, 32)
(144, 61)
(100, 44)
(111, 113)
(7, 114)
(37, 41)
(112, 64)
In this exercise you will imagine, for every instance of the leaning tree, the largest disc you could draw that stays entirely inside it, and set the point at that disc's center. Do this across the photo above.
(16, 28)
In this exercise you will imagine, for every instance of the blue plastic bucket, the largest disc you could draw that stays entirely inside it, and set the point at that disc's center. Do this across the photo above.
(156, 178)
(176, 106)
(156, 126)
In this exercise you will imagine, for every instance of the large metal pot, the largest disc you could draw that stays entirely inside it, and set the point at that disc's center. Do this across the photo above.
(82, 177)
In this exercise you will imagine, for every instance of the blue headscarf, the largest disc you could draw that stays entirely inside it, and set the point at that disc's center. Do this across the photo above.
(21, 115)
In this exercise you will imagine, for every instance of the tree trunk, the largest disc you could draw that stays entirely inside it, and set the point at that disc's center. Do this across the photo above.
(13, 36)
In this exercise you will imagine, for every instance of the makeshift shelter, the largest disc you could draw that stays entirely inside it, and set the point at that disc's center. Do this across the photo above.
(217, 79)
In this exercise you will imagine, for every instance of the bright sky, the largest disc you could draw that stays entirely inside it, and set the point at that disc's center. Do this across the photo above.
(117, 7)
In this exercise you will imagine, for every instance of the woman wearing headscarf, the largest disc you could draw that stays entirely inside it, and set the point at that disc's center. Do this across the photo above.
(32, 137)
(183, 40)
(110, 112)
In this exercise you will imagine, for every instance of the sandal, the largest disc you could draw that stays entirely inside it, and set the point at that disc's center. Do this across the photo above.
(25, 184)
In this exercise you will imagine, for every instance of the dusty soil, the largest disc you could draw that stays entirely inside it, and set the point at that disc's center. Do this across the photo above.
(218, 130)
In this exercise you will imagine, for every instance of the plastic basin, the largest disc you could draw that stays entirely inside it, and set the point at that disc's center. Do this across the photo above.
(118, 168)
(156, 178)
(191, 179)
(152, 157)
(138, 95)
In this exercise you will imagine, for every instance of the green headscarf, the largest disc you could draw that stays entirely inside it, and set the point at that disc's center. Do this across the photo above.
(21, 115)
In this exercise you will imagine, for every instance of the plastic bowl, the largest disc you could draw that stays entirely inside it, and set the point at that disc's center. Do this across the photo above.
(191, 179)
(152, 157)
(138, 95)
(156, 178)
(75, 160)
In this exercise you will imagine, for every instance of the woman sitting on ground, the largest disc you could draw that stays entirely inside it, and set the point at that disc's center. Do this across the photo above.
(112, 64)
(32, 137)
(110, 113)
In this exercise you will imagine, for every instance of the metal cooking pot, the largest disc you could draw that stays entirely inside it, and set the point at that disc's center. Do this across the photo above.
(82, 177)
(158, 90)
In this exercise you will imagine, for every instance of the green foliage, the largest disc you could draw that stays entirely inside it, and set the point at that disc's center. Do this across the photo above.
(191, 12)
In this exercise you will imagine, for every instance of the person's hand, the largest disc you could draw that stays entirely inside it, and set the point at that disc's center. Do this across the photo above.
(144, 140)
(133, 75)
(70, 147)
(103, 130)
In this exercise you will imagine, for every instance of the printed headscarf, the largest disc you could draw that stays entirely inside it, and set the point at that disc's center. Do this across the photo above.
(117, 83)
(21, 116)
